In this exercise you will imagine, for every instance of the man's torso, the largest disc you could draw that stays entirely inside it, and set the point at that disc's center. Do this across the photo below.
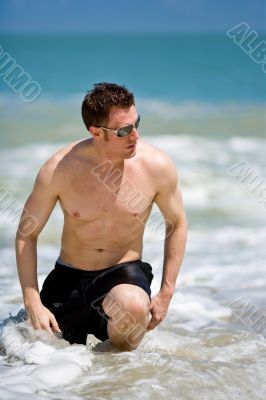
(105, 208)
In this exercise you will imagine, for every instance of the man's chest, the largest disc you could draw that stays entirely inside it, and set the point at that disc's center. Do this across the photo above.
(119, 197)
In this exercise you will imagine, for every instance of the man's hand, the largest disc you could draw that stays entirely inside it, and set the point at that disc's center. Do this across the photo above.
(158, 309)
(42, 318)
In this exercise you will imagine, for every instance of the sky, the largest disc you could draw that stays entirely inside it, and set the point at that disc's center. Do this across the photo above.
(118, 16)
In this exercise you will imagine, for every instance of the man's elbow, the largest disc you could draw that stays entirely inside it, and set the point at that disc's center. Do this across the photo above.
(21, 237)
(177, 222)
(27, 230)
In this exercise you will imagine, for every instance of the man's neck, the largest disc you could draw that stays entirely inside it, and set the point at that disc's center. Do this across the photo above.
(101, 156)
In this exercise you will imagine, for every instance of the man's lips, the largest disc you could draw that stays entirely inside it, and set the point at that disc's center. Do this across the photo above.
(131, 146)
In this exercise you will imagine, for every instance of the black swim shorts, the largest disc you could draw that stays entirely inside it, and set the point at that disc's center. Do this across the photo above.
(75, 296)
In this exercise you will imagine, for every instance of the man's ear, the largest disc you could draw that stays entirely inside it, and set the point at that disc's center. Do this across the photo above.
(95, 131)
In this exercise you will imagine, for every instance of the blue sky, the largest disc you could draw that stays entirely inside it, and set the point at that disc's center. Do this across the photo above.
(129, 15)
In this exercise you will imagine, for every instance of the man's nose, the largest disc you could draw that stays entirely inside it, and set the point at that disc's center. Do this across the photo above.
(134, 134)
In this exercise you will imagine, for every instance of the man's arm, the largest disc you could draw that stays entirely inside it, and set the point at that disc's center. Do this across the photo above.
(169, 201)
(39, 206)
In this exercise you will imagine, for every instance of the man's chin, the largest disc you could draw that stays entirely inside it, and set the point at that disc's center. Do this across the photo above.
(132, 151)
(132, 154)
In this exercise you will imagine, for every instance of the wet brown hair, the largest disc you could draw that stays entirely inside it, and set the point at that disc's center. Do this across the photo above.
(98, 102)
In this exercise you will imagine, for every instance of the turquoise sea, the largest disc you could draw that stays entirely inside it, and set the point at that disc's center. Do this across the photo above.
(202, 100)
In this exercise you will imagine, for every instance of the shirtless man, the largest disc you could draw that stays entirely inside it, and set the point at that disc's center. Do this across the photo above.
(106, 186)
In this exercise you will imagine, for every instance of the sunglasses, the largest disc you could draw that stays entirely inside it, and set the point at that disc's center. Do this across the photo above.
(124, 130)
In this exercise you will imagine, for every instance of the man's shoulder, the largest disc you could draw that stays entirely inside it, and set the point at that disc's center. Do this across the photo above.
(160, 167)
(55, 164)
(155, 157)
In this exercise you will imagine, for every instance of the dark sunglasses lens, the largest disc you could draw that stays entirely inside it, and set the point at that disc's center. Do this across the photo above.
(125, 131)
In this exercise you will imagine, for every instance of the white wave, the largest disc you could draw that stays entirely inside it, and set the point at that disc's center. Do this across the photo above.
(194, 311)
(196, 109)
(40, 360)
(246, 145)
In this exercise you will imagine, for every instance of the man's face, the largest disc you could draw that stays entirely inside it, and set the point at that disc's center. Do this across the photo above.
(124, 147)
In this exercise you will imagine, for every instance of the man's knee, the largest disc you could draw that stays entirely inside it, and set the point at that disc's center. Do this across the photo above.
(136, 308)
(128, 299)
(128, 309)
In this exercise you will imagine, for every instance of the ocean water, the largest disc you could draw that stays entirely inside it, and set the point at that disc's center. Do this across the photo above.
(203, 101)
